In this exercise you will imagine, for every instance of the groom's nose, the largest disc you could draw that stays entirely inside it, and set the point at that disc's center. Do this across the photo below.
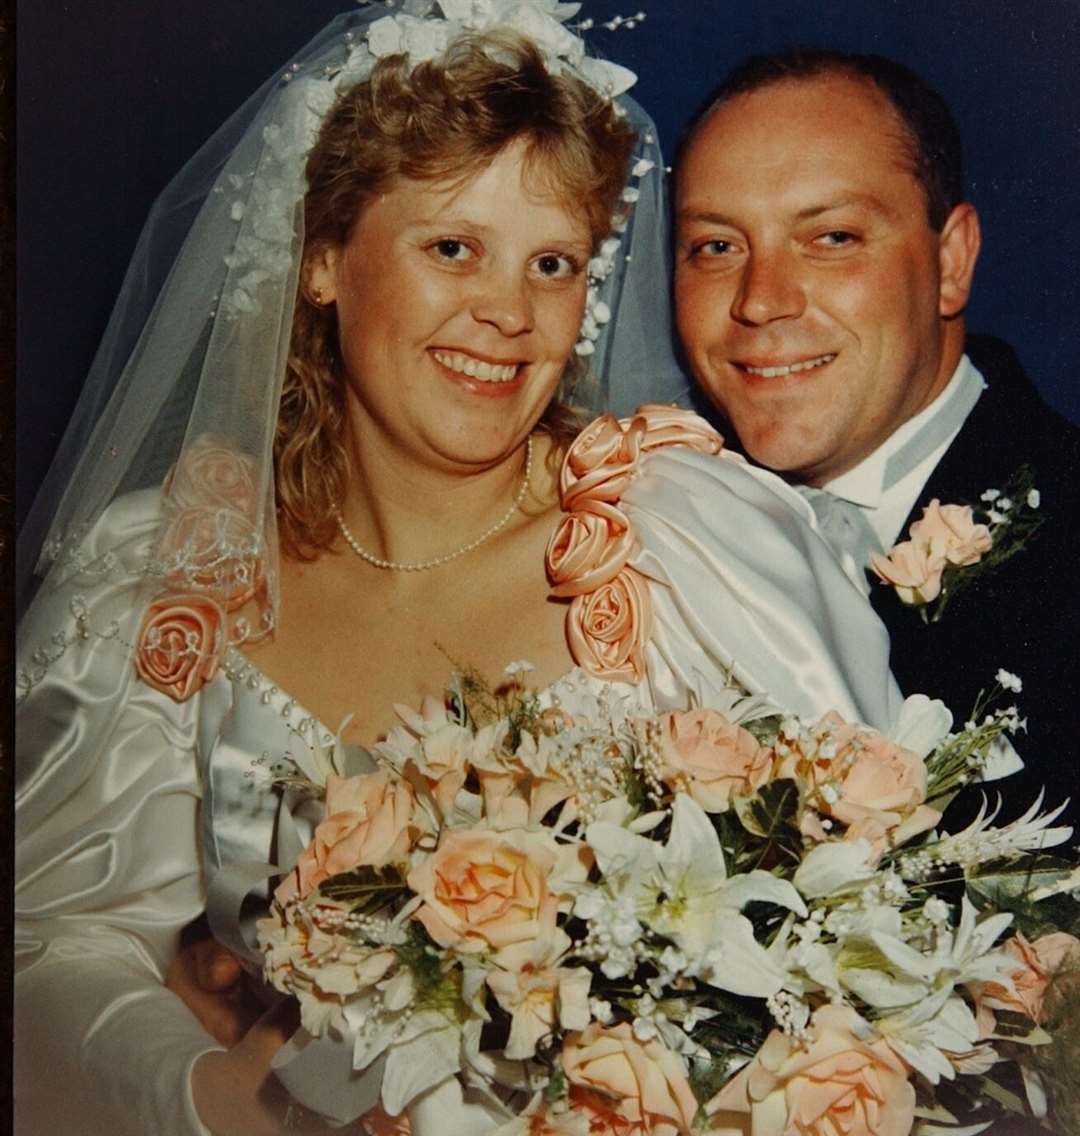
(768, 288)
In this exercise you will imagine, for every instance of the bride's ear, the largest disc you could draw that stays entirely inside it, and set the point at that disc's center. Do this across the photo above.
(320, 273)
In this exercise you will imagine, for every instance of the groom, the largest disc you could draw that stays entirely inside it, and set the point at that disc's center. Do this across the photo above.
(824, 257)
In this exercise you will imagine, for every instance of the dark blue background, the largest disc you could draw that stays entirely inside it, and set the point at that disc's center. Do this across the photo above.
(114, 95)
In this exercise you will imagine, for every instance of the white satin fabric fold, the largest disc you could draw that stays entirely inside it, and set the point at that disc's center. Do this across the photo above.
(107, 864)
(128, 803)
(743, 583)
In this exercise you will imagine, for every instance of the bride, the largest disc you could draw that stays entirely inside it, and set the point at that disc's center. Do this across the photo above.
(328, 462)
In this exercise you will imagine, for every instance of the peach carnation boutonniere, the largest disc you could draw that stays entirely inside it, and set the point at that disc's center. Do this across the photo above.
(610, 618)
(950, 545)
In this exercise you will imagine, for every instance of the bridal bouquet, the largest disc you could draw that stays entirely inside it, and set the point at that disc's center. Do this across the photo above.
(585, 919)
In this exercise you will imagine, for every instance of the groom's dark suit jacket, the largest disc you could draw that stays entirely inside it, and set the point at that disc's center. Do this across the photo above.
(1023, 615)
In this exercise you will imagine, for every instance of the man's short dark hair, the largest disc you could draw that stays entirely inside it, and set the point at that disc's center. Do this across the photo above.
(933, 140)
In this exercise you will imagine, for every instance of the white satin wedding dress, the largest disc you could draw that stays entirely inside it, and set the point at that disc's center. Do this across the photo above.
(118, 842)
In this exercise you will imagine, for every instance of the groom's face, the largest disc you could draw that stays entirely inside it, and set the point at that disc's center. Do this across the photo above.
(807, 274)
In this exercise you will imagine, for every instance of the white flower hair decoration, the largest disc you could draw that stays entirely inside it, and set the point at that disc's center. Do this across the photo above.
(266, 200)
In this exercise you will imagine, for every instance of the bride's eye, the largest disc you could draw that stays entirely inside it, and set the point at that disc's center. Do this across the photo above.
(450, 248)
(555, 266)
(715, 247)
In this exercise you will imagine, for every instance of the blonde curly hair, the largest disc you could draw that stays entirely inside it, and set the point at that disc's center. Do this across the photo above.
(443, 120)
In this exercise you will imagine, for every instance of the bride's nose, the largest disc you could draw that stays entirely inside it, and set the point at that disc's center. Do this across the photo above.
(503, 299)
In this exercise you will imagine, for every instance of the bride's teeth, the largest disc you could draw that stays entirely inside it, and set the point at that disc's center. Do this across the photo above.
(477, 368)
(791, 369)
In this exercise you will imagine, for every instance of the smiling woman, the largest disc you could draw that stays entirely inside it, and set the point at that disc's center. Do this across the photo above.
(329, 459)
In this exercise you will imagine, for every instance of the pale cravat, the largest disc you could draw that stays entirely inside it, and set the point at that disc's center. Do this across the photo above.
(845, 526)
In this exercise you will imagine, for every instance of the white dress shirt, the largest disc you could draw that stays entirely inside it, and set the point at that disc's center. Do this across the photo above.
(886, 506)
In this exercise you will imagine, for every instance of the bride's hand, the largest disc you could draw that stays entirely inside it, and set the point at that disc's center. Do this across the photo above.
(209, 980)
(236, 1094)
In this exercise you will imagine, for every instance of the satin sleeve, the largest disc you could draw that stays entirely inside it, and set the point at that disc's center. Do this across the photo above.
(742, 583)
(107, 861)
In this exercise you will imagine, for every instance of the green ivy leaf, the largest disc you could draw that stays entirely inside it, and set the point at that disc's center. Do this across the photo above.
(771, 811)
(366, 889)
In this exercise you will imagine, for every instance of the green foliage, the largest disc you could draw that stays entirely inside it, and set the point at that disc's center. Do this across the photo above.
(770, 815)
(764, 730)
(436, 986)
(367, 890)
(1008, 886)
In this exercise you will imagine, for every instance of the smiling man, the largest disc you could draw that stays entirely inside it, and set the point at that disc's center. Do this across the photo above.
(824, 259)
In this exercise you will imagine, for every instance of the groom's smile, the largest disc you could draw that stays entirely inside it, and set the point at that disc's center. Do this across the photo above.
(774, 369)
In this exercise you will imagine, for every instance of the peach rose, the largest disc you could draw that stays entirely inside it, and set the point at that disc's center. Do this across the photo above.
(672, 426)
(608, 629)
(638, 1086)
(588, 549)
(210, 472)
(1036, 963)
(713, 758)
(179, 644)
(215, 549)
(913, 570)
(951, 531)
(838, 1083)
(601, 462)
(369, 823)
(486, 890)
(865, 781)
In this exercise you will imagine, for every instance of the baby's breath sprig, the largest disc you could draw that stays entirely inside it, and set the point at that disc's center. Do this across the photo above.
(962, 756)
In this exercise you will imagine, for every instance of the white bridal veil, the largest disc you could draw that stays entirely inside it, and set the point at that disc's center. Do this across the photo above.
(196, 345)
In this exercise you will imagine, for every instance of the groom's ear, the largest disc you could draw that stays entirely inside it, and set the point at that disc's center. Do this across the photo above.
(958, 249)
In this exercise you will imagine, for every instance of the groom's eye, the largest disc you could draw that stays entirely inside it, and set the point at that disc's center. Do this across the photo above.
(836, 238)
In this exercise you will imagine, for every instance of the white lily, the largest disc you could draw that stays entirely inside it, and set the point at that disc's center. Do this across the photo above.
(835, 867)
(682, 891)
(924, 1038)
(960, 956)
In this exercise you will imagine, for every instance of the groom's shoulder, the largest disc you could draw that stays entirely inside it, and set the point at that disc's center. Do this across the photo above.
(1012, 404)
(1011, 426)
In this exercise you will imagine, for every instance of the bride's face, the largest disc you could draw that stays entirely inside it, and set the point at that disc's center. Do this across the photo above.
(457, 310)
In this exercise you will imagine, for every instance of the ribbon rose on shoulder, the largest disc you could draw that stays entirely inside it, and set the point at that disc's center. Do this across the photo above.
(610, 617)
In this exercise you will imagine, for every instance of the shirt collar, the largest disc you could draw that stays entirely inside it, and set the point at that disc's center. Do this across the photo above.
(865, 484)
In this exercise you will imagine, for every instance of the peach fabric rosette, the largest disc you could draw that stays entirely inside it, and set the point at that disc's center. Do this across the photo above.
(211, 472)
(610, 618)
(210, 558)
(213, 550)
(179, 643)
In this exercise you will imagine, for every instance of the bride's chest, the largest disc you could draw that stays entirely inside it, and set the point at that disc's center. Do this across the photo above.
(352, 660)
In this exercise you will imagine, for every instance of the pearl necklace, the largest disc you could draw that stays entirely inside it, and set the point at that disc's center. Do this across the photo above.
(423, 565)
